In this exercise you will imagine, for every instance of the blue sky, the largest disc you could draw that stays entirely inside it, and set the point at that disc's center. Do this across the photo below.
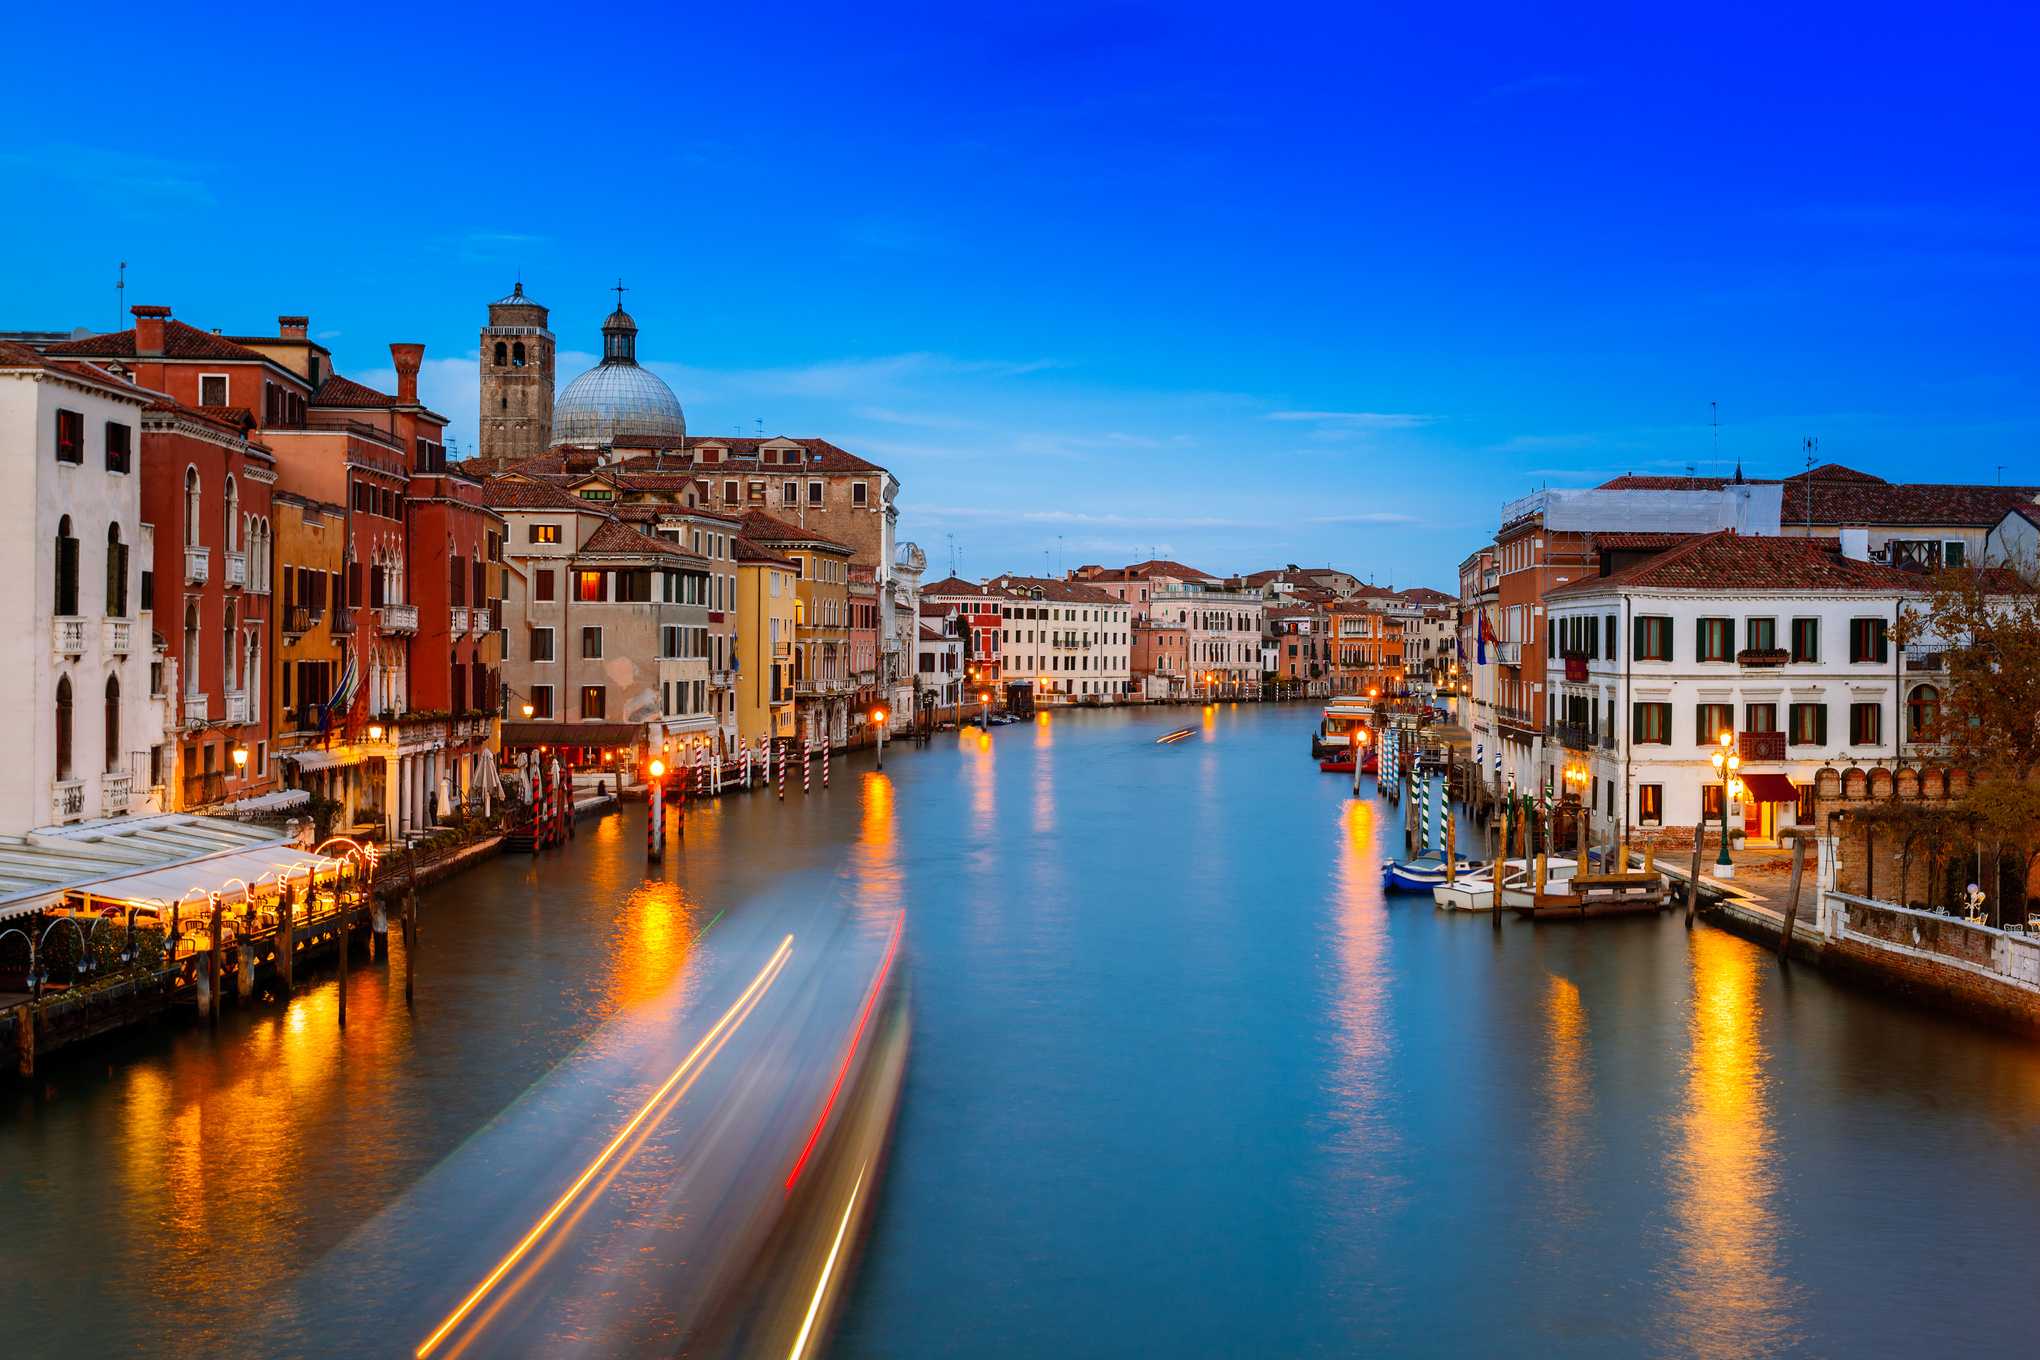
(1238, 285)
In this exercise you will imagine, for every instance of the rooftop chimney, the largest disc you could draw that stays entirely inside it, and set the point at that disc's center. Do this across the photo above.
(149, 328)
(407, 358)
(293, 327)
(1856, 544)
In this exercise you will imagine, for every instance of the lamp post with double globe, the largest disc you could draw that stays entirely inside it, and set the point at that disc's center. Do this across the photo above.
(1726, 763)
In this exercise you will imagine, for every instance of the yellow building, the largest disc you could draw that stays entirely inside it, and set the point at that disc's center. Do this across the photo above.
(824, 681)
(308, 654)
(768, 605)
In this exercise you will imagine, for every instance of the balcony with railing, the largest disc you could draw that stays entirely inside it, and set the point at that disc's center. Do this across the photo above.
(458, 623)
(67, 635)
(237, 705)
(197, 565)
(1509, 653)
(117, 636)
(67, 800)
(721, 679)
(237, 568)
(343, 622)
(400, 618)
(209, 786)
(1515, 717)
(116, 791)
(1762, 658)
(1574, 736)
(297, 621)
(1760, 745)
(1925, 658)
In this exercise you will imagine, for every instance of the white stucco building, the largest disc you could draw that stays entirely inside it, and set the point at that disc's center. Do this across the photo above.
(82, 701)
(1783, 643)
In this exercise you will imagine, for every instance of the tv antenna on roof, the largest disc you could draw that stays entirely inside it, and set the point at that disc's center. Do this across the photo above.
(1715, 420)
(120, 298)
(1812, 447)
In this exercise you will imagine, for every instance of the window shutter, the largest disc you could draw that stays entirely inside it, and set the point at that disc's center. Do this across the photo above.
(1729, 627)
(1636, 722)
(375, 586)
(1701, 736)
(67, 576)
(354, 585)
(1820, 724)
(1699, 639)
(1877, 632)
(1636, 627)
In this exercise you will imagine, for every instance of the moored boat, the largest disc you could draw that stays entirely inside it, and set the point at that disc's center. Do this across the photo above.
(1474, 891)
(1421, 874)
(1519, 888)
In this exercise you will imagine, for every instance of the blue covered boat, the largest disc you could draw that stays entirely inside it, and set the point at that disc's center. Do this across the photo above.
(1421, 874)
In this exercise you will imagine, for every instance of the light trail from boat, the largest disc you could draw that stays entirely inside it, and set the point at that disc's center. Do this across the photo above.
(730, 1017)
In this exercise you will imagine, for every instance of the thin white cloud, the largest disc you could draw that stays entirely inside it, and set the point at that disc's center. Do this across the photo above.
(1372, 420)
(1378, 517)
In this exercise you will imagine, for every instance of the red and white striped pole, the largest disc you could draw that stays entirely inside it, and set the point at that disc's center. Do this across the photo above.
(807, 751)
(700, 770)
(779, 759)
(825, 759)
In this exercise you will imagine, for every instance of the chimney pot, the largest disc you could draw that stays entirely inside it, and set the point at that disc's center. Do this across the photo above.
(407, 358)
(149, 322)
(293, 327)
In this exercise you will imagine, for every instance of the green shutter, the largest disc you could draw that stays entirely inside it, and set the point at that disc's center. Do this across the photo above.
(1820, 724)
(1636, 641)
(1701, 736)
(1730, 624)
(1699, 639)
(1636, 723)
(1877, 631)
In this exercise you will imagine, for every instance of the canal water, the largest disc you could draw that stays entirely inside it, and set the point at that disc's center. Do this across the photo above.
(1183, 1082)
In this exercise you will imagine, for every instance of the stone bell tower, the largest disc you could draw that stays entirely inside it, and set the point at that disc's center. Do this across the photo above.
(517, 381)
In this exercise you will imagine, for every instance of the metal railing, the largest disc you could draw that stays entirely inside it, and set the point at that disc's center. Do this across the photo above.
(298, 619)
(1925, 658)
(1509, 653)
(343, 622)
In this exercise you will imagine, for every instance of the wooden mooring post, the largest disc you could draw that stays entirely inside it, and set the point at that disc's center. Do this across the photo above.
(24, 1038)
(346, 921)
(1693, 883)
(212, 963)
(286, 936)
(1792, 896)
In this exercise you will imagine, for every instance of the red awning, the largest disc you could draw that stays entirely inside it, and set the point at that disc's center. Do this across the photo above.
(1771, 788)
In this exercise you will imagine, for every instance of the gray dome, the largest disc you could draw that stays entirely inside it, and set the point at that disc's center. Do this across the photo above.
(614, 401)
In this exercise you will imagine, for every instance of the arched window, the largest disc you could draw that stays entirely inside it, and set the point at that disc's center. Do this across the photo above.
(1922, 713)
(191, 648)
(116, 573)
(112, 724)
(191, 506)
(501, 356)
(67, 568)
(231, 519)
(63, 727)
(517, 354)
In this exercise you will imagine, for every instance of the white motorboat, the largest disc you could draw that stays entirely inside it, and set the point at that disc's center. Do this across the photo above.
(1519, 887)
(1474, 891)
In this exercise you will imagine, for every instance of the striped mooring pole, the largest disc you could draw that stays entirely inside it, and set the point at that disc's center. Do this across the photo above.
(655, 824)
(779, 758)
(825, 762)
(807, 752)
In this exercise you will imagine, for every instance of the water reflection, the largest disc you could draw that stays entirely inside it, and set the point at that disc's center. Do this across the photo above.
(1566, 1158)
(1726, 1292)
(1361, 1080)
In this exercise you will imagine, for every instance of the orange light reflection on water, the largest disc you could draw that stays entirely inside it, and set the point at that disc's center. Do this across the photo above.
(1361, 1081)
(1727, 1294)
(1566, 1155)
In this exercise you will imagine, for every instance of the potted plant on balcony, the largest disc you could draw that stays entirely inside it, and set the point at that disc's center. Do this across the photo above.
(1762, 656)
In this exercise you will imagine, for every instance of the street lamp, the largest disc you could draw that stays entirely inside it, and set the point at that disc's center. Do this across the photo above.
(985, 712)
(375, 731)
(240, 761)
(1726, 763)
(878, 721)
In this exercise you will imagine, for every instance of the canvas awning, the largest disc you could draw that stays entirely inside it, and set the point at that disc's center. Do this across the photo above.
(571, 734)
(1771, 788)
(194, 880)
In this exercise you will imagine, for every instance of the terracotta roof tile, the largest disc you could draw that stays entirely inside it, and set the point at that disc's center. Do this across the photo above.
(1728, 561)
(1625, 542)
(744, 550)
(499, 494)
(613, 537)
(339, 391)
(179, 342)
(760, 527)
